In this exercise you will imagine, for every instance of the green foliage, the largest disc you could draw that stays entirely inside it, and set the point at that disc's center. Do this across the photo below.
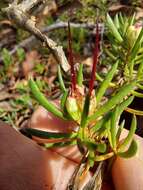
(105, 84)
(49, 20)
(49, 135)
(23, 100)
(132, 150)
(96, 116)
(73, 109)
(106, 127)
(43, 100)
(21, 87)
(62, 85)
(7, 59)
(129, 137)
(63, 99)
(113, 101)
(88, 14)
(85, 111)
(21, 34)
(39, 68)
(97, 120)
(80, 75)
(114, 30)
(114, 120)
(126, 44)
(6, 66)
(78, 37)
(21, 54)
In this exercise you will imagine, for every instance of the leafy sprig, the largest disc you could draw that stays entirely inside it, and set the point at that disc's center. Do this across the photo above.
(99, 130)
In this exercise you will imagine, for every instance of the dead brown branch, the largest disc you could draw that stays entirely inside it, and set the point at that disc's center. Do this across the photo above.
(31, 41)
(19, 14)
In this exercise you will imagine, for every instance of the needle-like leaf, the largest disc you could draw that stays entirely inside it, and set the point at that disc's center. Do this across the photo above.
(132, 150)
(105, 83)
(49, 135)
(125, 104)
(100, 147)
(114, 121)
(136, 46)
(95, 61)
(116, 99)
(129, 137)
(60, 144)
(80, 75)
(137, 94)
(132, 19)
(103, 157)
(85, 111)
(140, 70)
(116, 21)
(63, 99)
(101, 122)
(121, 19)
(73, 75)
(133, 111)
(43, 100)
(114, 30)
(120, 129)
(61, 81)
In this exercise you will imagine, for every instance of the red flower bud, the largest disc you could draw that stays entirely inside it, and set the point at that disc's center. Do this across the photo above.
(73, 75)
(95, 61)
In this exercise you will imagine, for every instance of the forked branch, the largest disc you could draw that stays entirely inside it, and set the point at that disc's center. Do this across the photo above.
(19, 14)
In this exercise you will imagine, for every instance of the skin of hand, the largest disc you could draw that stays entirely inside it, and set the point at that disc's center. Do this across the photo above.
(25, 165)
(127, 174)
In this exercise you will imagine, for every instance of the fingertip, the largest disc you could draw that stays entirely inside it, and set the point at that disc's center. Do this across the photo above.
(127, 174)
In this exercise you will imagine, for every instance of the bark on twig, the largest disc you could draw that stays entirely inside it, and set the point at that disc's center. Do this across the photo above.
(31, 41)
(19, 14)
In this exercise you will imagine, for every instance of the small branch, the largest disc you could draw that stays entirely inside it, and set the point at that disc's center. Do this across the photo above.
(30, 42)
(18, 14)
(27, 5)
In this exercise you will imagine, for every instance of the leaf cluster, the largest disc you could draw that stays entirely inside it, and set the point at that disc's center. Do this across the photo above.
(96, 116)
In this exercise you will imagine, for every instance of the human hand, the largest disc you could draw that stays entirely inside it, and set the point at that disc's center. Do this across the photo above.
(24, 165)
(127, 174)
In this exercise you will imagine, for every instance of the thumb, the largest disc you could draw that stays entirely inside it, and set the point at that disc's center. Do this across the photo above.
(127, 174)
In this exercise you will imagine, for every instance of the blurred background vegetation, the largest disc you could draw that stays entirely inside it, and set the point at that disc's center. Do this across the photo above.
(20, 58)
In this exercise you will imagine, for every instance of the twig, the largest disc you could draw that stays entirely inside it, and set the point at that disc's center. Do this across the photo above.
(19, 14)
(95, 183)
(27, 5)
(29, 42)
